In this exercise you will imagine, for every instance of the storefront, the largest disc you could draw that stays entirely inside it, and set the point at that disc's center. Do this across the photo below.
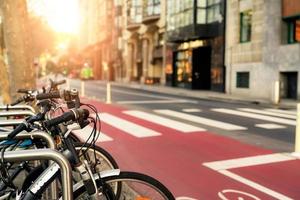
(195, 55)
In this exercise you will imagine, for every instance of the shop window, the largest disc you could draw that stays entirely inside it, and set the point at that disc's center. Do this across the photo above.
(242, 79)
(246, 25)
(293, 30)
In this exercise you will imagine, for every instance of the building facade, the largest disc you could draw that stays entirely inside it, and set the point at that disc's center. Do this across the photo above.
(262, 48)
(195, 50)
(96, 37)
(144, 40)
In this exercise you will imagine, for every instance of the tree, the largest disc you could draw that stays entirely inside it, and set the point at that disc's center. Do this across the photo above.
(18, 45)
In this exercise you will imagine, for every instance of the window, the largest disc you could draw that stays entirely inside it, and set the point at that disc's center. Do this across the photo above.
(180, 13)
(245, 29)
(208, 11)
(135, 11)
(293, 35)
(151, 7)
(242, 79)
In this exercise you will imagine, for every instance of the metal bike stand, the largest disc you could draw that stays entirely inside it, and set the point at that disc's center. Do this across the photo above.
(32, 135)
(11, 113)
(17, 107)
(11, 122)
(37, 135)
(47, 154)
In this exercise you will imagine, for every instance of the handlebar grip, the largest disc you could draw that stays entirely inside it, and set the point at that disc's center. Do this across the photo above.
(79, 114)
(48, 95)
(23, 90)
(67, 116)
(59, 82)
(19, 100)
(20, 127)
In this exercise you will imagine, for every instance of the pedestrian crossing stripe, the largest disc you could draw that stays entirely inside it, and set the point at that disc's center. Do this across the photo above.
(186, 128)
(289, 112)
(139, 131)
(201, 120)
(270, 126)
(264, 112)
(191, 110)
(86, 131)
(256, 116)
(127, 126)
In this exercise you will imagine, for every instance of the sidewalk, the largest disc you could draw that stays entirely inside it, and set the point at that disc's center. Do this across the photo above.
(210, 95)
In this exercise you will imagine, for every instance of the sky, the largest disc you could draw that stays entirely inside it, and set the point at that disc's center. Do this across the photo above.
(62, 15)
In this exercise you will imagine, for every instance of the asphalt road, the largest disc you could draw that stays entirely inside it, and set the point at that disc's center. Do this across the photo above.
(199, 149)
(279, 138)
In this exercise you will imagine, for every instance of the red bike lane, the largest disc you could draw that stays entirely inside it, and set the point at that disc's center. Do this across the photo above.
(202, 165)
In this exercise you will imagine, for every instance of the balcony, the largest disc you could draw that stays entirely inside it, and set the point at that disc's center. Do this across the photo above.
(194, 31)
(150, 19)
(133, 26)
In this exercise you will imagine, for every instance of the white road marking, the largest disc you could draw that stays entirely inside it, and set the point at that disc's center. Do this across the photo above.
(191, 110)
(157, 101)
(223, 166)
(201, 120)
(86, 131)
(289, 112)
(256, 116)
(127, 126)
(270, 126)
(164, 121)
(268, 113)
(237, 193)
(249, 161)
(255, 185)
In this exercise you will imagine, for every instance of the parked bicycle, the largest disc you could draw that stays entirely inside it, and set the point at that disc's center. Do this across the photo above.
(91, 183)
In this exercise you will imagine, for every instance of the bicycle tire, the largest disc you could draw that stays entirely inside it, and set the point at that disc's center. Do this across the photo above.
(129, 189)
(103, 155)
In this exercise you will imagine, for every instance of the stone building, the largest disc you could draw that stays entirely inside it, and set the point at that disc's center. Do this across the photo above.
(144, 40)
(262, 48)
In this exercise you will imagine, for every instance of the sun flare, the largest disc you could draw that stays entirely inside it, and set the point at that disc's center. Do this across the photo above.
(62, 15)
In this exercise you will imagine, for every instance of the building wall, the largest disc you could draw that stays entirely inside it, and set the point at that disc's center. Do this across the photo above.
(265, 56)
(139, 48)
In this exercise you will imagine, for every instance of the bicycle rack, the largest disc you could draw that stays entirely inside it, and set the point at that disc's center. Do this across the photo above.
(37, 135)
(11, 122)
(17, 107)
(32, 135)
(46, 154)
(12, 113)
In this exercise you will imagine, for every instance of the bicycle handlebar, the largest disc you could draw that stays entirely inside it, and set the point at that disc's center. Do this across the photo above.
(19, 100)
(50, 95)
(72, 115)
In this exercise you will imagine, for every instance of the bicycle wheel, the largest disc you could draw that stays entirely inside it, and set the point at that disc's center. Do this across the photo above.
(135, 186)
(97, 157)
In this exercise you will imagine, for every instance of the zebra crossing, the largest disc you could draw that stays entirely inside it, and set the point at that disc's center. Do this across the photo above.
(186, 121)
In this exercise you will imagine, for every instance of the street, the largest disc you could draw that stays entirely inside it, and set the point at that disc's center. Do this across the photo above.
(199, 149)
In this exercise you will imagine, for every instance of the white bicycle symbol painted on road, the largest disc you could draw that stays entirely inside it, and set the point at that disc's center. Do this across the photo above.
(229, 194)
(224, 195)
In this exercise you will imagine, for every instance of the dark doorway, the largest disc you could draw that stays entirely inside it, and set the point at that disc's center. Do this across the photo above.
(289, 85)
(201, 78)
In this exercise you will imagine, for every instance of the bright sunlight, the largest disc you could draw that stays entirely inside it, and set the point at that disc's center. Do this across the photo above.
(62, 15)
